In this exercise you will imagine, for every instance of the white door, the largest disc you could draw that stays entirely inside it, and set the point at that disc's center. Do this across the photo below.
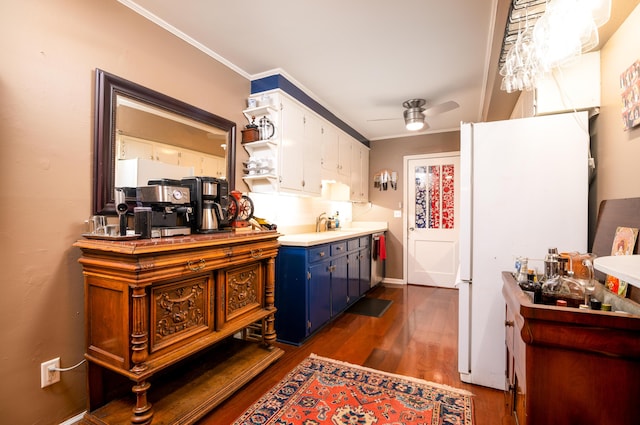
(433, 193)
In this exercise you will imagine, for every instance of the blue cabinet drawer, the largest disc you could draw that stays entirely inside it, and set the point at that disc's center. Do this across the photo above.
(319, 253)
(364, 241)
(353, 244)
(338, 248)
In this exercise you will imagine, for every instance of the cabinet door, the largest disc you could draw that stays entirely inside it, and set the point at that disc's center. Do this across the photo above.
(130, 148)
(339, 284)
(365, 269)
(359, 172)
(354, 276)
(191, 159)
(166, 154)
(214, 166)
(292, 146)
(180, 310)
(364, 173)
(330, 151)
(344, 158)
(240, 291)
(319, 296)
(312, 144)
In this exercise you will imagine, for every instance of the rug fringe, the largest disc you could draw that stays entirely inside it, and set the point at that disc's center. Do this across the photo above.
(408, 378)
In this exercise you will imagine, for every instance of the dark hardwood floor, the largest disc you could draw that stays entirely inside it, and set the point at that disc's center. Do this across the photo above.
(417, 336)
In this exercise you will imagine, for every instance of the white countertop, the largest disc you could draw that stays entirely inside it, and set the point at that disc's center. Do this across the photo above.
(624, 267)
(317, 238)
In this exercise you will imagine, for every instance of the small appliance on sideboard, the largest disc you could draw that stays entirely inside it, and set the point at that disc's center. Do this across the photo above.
(210, 203)
(171, 210)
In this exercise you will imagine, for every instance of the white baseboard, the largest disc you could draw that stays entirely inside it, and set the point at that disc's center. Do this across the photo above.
(74, 420)
(394, 281)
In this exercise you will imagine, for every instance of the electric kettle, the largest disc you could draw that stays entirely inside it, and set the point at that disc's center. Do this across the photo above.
(266, 128)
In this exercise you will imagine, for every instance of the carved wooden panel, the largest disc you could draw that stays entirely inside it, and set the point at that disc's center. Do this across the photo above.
(242, 290)
(179, 310)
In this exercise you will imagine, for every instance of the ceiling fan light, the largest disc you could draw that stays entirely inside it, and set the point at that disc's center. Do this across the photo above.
(414, 125)
(414, 119)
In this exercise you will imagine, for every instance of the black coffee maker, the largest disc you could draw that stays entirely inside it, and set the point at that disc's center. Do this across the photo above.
(210, 203)
(170, 202)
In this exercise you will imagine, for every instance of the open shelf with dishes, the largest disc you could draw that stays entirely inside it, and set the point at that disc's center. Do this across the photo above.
(261, 111)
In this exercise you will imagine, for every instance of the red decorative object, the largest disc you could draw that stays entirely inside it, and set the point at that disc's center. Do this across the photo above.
(326, 391)
(448, 196)
(434, 197)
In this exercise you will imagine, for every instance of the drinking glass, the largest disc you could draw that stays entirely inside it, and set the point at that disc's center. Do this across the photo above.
(98, 225)
(588, 284)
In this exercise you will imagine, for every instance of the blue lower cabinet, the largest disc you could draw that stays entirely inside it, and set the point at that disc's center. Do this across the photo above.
(365, 270)
(339, 288)
(319, 299)
(354, 276)
(291, 295)
(315, 284)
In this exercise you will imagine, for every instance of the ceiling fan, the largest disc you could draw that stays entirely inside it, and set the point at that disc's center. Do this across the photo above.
(415, 113)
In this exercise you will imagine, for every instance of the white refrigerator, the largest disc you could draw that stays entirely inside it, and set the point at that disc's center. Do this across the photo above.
(523, 190)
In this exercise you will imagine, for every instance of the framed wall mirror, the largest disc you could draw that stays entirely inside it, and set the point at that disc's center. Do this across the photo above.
(142, 134)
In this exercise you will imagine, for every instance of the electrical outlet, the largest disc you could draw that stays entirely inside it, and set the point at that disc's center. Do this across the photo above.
(49, 377)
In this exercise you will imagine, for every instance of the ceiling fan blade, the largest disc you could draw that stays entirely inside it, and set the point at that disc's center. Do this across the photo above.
(383, 119)
(440, 108)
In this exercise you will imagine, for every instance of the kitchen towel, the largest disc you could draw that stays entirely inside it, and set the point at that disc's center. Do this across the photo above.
(382, 248)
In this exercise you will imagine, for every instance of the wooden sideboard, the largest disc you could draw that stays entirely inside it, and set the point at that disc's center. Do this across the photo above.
(175, 325)
(570, 366)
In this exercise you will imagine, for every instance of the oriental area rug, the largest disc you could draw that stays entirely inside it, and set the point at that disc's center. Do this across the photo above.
(325, 391)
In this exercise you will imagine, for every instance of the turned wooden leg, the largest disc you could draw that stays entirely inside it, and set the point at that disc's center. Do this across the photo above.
(139, 333)
(142, 413)
(268, 323)
(270, 284)
(269, 331)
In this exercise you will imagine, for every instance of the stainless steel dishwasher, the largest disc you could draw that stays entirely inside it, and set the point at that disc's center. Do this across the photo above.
(378, 256)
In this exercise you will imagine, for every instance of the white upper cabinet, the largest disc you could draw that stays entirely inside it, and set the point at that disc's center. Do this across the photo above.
(336, 154)
(191, 162)
(330, 152)
(292, 155)
(312, 175)
(304, 150)
(291, 146)
(359, 183)
(345, 143)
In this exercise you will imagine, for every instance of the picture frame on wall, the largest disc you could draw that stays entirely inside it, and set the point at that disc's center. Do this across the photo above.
(630, 93)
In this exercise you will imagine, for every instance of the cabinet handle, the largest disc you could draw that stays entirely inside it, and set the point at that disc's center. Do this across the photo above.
(256, 253)
(196, 267)
(508, 323)
(321, 254)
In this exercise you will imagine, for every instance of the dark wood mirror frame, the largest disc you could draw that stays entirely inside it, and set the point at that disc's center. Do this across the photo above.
(107, 87)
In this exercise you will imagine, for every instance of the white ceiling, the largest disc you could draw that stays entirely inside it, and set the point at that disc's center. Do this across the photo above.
(360, 59)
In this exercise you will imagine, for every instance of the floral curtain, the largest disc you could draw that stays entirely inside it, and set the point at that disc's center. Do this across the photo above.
(435, 200)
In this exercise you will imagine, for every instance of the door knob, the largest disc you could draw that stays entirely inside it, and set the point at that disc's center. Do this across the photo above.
(411, 229)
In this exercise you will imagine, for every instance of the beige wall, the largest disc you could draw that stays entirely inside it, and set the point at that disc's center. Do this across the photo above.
(50, 50)
(617, 151)
(389, 154)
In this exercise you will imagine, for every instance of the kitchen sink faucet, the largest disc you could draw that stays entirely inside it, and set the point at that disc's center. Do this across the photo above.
(319, 220)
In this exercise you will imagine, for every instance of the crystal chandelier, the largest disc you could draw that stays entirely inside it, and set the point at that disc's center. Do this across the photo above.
(543, 35)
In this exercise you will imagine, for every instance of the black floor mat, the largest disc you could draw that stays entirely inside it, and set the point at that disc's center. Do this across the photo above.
(373, 307)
